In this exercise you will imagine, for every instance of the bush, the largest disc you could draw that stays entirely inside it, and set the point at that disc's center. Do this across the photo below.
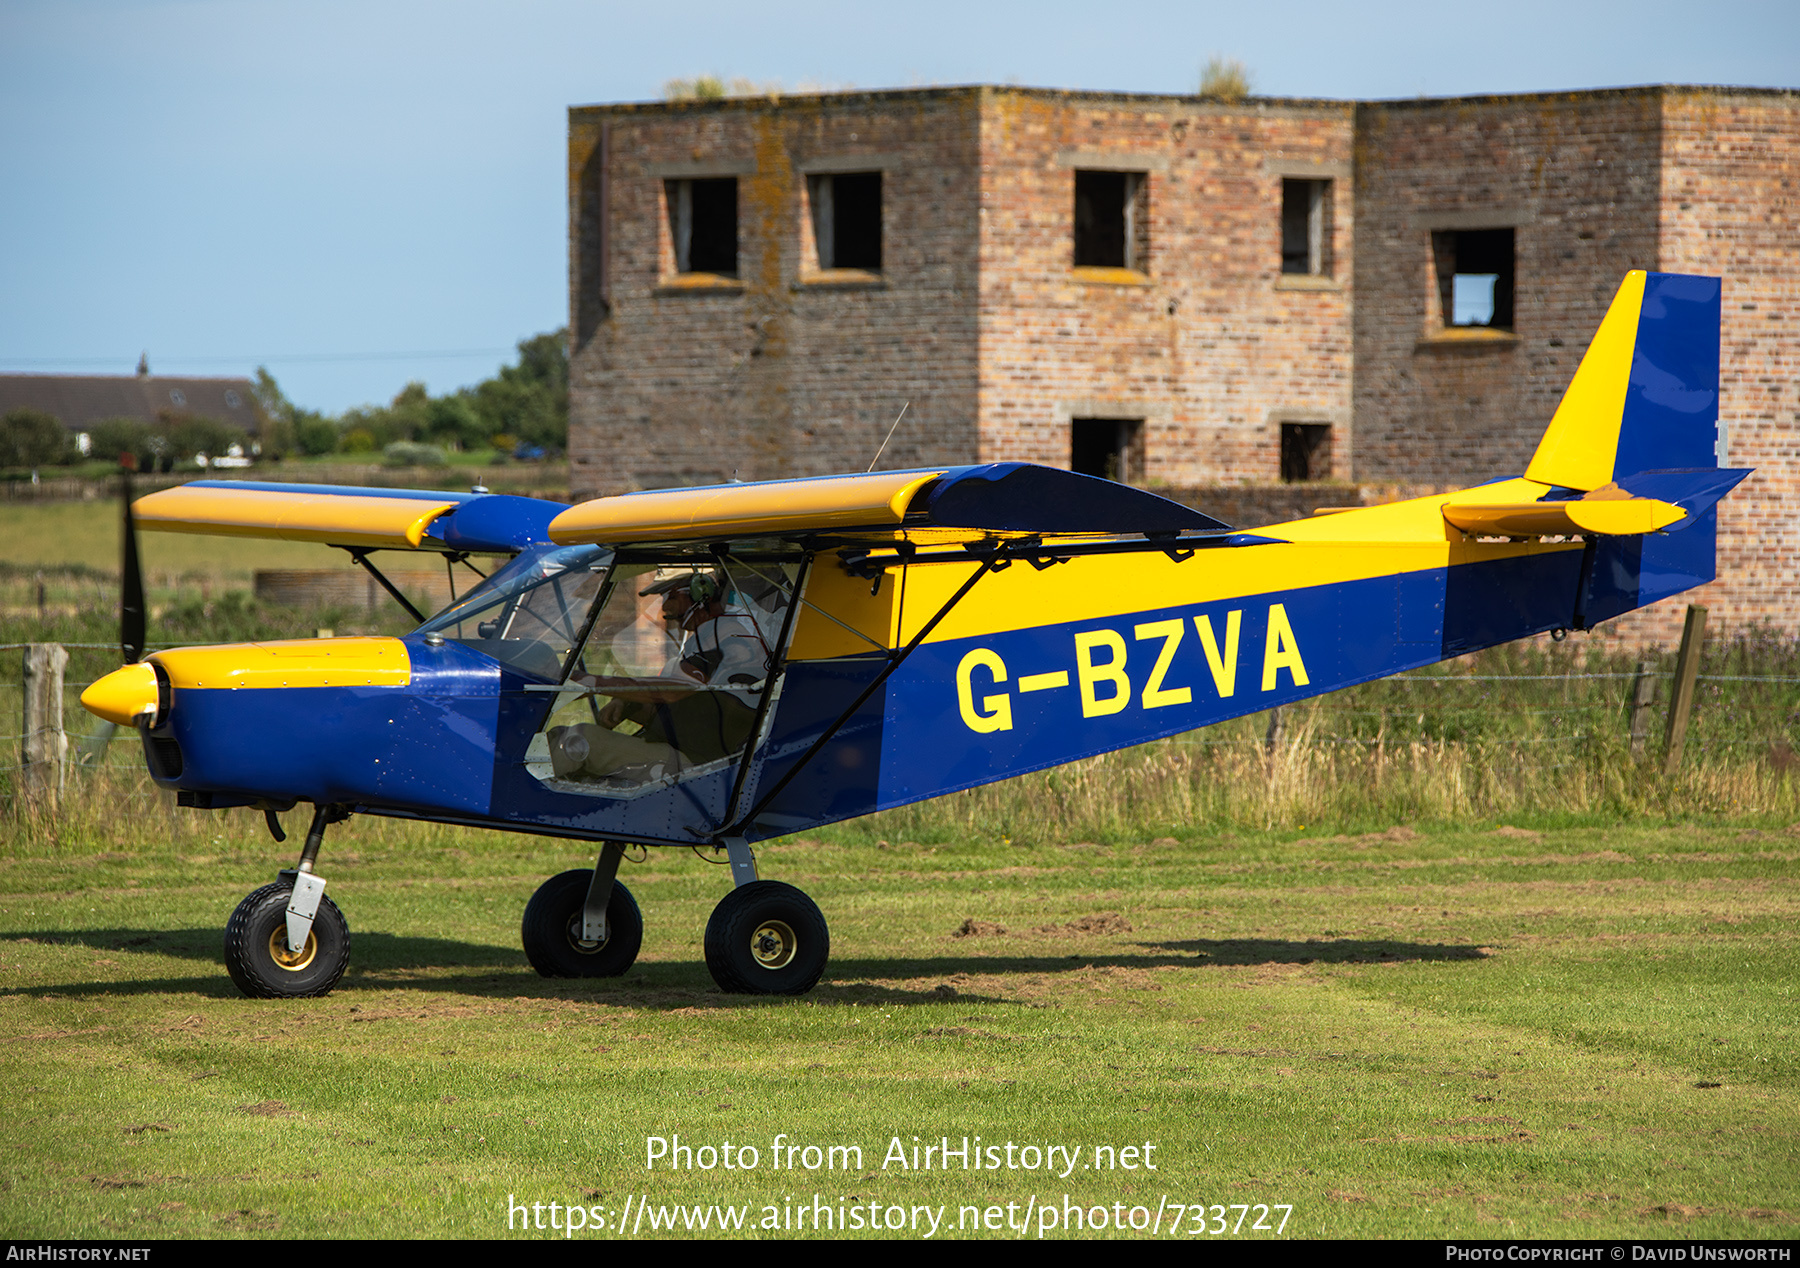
(452, 420)
(32, 438)
(1225, 79)
(112, 438)
(409, 453)
(314, 433)
(191, 434)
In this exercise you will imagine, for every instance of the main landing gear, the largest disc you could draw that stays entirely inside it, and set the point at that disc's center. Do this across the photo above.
(582, 923)
(287, 940)
(764, 938)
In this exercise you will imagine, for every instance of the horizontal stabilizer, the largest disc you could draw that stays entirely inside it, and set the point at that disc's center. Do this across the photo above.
(1694, 491)
(1620, 517)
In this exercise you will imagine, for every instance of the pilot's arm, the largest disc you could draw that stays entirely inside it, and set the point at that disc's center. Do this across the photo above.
(633, 698)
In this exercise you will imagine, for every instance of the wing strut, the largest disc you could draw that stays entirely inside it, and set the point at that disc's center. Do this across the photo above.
(361, 555)
(993, 563)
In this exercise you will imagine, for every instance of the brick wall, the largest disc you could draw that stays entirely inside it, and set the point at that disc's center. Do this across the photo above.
(1730, 207)
(1201, 342)
(1577, 177)
(780, 375)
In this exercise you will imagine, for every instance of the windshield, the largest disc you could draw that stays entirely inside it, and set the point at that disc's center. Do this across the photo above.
(529, 614)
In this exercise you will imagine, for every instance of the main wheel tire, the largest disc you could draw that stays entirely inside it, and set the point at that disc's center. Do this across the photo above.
(767, 938)
(551, 930)
(256, 950)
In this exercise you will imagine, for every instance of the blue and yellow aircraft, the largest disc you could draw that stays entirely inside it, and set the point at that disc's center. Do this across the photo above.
(713, 667)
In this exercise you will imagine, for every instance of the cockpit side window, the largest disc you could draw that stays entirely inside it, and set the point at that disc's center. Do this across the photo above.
(669, 681)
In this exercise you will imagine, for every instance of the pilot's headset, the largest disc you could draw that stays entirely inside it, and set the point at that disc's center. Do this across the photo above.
(703, 588)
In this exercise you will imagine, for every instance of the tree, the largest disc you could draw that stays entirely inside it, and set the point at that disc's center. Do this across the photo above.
(279, 416)
(530, 400)
(190, 434)
(32, 438)
(315, 434)
(112, 438)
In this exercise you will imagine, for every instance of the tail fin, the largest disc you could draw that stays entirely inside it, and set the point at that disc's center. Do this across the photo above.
(1646, 397)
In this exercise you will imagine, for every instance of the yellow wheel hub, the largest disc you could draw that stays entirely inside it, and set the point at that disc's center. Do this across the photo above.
(773, 945)
(292, 961)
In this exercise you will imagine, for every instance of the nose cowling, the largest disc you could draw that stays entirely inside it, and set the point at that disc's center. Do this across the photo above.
(124, 695)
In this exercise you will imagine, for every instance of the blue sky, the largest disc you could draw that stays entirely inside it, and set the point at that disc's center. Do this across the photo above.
(359, 194)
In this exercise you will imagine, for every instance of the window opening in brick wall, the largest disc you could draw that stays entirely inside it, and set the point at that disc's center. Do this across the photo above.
(1112, 448)
(1305, 451)
(703, 224)
(1304, 204)
(846, 216)
(1112, 220)
(1475, 276)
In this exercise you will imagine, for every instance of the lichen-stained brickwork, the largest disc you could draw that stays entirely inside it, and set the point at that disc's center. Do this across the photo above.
(1577, 178)
(1730, 207)
(786, 370)
(1205, 339)
(1593, 184)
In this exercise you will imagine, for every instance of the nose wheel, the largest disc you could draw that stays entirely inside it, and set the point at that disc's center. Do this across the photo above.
(767, 938)
(259, 959)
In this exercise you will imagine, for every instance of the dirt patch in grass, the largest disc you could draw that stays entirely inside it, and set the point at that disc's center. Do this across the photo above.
(1105, 922)
(267, 1109)
(1399, 834)
(973, 928)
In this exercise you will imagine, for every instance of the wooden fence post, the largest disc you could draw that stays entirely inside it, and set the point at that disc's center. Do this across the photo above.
(1681, 703)
(45, 747)
(1643, 695)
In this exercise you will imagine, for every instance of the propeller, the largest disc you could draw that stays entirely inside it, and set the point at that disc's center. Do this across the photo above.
(132, 617)
(131, 573)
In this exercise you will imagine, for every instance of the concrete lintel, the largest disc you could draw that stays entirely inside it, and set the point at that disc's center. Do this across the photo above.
(700, 169)
(826, 164)
(1112, 161)
(1153, 412)
(1486, 218)
(1307, 169)
(1338, 418)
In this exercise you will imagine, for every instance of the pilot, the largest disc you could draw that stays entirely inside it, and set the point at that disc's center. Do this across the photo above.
(701, 707)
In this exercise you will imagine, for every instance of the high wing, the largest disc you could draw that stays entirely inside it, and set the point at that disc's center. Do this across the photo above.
(340, 515)
(999, 498)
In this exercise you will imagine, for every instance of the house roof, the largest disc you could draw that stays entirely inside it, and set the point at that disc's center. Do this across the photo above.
(81, 400)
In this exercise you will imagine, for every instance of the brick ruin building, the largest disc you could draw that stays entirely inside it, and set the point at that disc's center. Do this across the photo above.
(1228, 301)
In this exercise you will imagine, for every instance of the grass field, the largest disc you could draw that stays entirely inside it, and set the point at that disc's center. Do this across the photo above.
(1460, 1032)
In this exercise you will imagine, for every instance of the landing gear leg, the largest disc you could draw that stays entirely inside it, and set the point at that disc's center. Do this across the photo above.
(764, 938)
(584, 923)
(287, 940)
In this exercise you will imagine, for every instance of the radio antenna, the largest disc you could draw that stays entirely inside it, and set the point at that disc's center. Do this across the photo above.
(888, 437)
